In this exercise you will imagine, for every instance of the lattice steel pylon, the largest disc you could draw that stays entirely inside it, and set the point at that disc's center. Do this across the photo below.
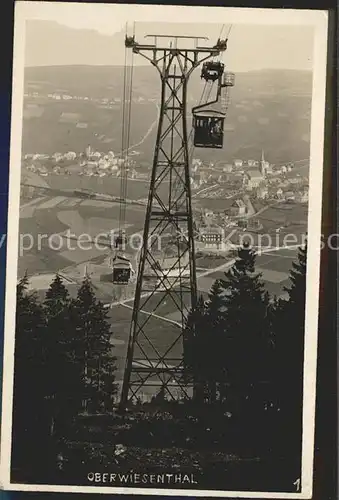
(166, 287)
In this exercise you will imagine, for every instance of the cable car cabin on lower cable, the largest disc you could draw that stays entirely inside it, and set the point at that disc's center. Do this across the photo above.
(122, 270)
(208, 129)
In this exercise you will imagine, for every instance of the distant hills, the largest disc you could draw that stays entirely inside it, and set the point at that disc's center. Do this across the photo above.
(250, 46)
(269, 109)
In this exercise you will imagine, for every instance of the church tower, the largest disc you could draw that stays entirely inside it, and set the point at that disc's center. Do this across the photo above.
(263, 164)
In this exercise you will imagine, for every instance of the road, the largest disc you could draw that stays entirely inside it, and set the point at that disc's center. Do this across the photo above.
(147, 133)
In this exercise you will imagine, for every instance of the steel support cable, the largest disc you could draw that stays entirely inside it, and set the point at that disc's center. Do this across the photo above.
(123, 166)
(128, 133)
(126, 126)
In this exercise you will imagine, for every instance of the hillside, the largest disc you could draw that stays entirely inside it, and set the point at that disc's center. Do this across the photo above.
(270, 110)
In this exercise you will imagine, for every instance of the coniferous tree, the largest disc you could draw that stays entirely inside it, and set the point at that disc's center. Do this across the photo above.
(62, 378)
(247, 330)
(30, 420)
(290, 335)
(215, 372)
(193, 344)
(93, 350)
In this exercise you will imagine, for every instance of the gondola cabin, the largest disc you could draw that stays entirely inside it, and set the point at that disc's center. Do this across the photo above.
(208, 129)
(212, 70)
(122, 270)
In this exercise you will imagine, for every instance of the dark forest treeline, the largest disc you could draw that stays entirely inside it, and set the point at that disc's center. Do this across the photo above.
(63, 366)
(243, 352)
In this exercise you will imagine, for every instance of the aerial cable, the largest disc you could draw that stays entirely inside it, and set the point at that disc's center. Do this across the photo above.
(126, 124)
(129, 103)
(128, 132)
(123, 167)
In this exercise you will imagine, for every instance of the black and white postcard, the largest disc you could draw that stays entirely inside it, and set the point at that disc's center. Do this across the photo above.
(163, 250)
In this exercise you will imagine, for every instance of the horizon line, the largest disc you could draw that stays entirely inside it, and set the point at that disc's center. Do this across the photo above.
(308, 70)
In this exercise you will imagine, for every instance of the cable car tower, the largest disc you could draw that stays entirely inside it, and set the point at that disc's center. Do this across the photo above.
(166, 287)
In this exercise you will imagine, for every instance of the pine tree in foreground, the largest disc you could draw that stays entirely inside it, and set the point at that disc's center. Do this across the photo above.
(62, 379)
(93, 350)
(193, 349)
(245, 344)
(30, 422)
(290, 336)
(227, 342)
(215, 371)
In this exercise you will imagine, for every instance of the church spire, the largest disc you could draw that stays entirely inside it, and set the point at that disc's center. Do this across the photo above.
(263, 164)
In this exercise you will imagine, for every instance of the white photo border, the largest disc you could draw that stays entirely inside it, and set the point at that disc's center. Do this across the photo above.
(152, 13)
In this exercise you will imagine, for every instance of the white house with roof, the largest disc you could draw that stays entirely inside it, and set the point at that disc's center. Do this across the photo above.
(103, 164)
(70, 155)
(238, 163)
(57, 157)
(228, 168)
(95, 155)
(279, 194)
(262, 193)
(238, 208)
(253, 179)
(302, 196)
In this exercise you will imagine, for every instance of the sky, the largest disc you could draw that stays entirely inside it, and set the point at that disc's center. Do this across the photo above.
(258, 38)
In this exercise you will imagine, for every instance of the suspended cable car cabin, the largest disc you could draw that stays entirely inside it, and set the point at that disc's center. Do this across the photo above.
(122, 270)
(212, 70)
(208, 128)
(122, 267)
(208, 118)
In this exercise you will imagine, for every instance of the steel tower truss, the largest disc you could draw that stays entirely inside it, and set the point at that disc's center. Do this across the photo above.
(166, 287)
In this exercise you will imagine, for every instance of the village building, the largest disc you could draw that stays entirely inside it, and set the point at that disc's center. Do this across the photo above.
(238, 163)
(95, 155)
(262, 193)
(42, 171)
(279, 194)
(302, 196)
(92, 164)
(253, 179)
(70, 155)
(57, 157)
(39, 156)
(238, 208)
(103, 164)
(296, 180)
(289, 195)
(228, 168)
